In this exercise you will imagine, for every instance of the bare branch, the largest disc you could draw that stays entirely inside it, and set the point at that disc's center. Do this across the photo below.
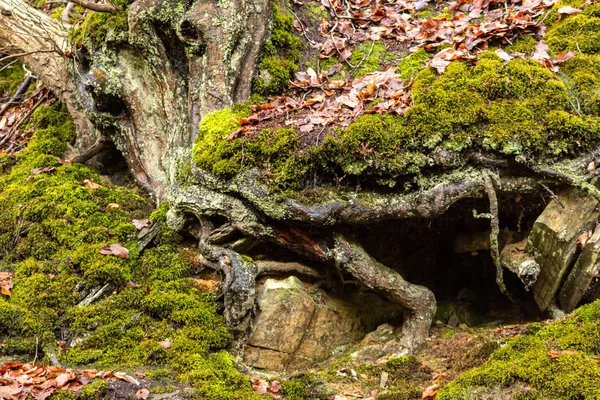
(99, 7)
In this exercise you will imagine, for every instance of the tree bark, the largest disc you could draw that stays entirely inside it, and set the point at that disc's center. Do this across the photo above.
(146, 95)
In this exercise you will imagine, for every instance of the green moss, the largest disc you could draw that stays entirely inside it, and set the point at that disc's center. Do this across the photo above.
(579, 33)
(98, 27)
(314, 11)
(11, 76)
(425, 14)
(516, 109)
(307, 387)
(369, 55)
(279, 56)
(524, 44)
(271, 150)
(410, 65)
(52, 228)
(94, 390)
(526, 360)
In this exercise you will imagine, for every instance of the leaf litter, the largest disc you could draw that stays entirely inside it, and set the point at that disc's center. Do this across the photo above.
(19, 381)
(317, 102)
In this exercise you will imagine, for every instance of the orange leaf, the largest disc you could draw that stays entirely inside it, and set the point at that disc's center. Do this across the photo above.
(430, 392)
(90, 184)
(142, 394)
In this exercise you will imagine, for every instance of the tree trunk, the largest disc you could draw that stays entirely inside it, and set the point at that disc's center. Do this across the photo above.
(146, 95)
(146, 91)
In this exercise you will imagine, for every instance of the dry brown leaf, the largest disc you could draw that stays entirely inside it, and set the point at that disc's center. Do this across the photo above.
(431, 392)
(559, 353)
(141, 224)
(90, 184)
(112, 206)
(124, 377)
(116, 250)
(260, 386)
(584, 238)
(568, 10)
(142, 394)
(165, 344)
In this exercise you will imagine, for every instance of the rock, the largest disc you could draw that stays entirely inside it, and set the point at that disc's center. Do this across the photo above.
(553, 240)
(453, 320)
(379, 344)
(463, 327)
(582, 276)
(296, 328)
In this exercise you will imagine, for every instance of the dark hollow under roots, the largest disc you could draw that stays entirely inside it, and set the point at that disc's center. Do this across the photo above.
(409, 262)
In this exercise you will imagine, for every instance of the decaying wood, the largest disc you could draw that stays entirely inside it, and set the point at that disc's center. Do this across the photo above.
(99, 7)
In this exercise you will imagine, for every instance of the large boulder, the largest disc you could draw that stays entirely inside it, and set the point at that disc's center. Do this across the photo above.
(298, 326)
(584, 273)
(554, 238)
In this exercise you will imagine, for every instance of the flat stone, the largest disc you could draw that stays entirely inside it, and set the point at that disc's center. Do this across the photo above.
(584, 273)
(298, 326)
(553, 240)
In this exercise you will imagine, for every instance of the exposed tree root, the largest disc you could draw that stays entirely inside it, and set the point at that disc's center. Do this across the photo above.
(418, 301)
(495, 231)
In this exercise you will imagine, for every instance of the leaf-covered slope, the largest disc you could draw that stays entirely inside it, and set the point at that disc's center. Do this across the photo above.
(507, 94)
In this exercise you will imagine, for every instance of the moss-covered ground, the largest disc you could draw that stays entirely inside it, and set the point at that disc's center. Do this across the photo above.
(558, 361)
(517, 109)
(52, 227)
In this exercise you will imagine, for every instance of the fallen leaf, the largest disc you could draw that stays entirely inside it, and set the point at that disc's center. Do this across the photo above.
(259, 386)
(275, 386)
(142, 394)
(124, 377)
(557, 354)
(568, 10)
(90, 184)
(116, 250)
(165, 344)
(430, 392)
(504, 55)
(141, 224)
(584, 238)
(133, 285)
(42, 170)
(112, 206)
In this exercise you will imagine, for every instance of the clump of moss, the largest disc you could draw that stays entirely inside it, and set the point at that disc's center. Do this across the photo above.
(524, 44)
(580, 33)
(307, 387)
(410, 65)
(271, 150)
(11, 76)
(280, 55)
(52, 228)
(97, 27)
(368, 57)
(516, 109)
(530, 360)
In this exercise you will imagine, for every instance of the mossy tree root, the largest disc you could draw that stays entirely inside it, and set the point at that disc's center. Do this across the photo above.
(418, 301)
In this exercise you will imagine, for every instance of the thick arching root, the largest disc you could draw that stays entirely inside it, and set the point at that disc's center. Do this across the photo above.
(418, 301)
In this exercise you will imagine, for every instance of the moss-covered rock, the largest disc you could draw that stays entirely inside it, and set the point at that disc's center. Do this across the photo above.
(557, 360)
